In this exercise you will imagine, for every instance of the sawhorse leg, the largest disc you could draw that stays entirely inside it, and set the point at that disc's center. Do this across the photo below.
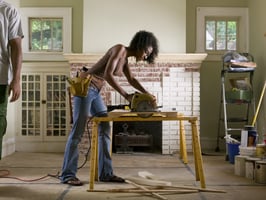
(183, 145)
(94, 155)
(197, 154)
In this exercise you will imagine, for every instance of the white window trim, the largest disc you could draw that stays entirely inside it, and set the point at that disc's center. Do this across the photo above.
(62, 12)
(203, 12)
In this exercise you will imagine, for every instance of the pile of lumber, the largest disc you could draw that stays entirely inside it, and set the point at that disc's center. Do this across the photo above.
(148, 184)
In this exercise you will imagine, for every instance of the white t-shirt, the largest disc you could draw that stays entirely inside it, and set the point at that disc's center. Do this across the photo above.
(10, 28)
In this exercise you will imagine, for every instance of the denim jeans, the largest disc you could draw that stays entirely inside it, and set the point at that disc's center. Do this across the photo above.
(91, 105)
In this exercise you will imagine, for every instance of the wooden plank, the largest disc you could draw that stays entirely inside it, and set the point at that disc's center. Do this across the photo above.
(128, 113)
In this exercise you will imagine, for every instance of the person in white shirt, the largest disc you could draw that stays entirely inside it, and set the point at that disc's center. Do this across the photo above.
(11, 35)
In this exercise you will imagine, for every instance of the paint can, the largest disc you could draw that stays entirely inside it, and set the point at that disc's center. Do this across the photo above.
(240, 167)
(252, 136)
(261, 150)
(260, 172)
(250, 167)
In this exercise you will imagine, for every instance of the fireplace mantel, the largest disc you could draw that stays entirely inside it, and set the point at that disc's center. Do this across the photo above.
(162, 58)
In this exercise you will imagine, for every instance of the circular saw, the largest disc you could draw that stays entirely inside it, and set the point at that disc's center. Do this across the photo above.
(145, 103)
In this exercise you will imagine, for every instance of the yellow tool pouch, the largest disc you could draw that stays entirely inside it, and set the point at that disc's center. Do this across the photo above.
(79, 86)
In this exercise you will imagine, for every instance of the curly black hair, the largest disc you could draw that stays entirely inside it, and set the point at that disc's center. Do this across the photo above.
(142, 40)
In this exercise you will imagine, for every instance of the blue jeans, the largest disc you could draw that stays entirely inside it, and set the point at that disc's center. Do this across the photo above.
(92, 105)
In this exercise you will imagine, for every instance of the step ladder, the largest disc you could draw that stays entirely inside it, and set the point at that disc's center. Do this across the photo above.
(237, 99)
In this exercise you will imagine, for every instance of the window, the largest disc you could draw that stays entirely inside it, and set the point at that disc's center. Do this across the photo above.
(220, 30)
(221, 34)
(46, 34)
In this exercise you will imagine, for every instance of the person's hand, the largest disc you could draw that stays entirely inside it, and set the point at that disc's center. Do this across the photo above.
(129, 97)
(14, 88)
(83, 74)
(153, 102)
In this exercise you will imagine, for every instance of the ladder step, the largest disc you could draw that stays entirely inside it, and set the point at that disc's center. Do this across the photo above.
(237, 120)
(234, 129)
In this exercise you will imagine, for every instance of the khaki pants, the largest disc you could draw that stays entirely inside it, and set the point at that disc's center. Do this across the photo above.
(3, 112)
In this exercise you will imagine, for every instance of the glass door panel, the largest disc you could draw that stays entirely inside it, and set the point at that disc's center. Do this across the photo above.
(56, 105)
(31, 107)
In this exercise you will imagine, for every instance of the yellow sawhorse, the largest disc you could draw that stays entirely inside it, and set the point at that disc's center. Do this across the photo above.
(117, 115)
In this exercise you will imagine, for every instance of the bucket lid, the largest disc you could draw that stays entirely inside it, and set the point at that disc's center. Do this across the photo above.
(247, 148)
(241, 156)
(253, 159)
(261, 162)
(261, 145)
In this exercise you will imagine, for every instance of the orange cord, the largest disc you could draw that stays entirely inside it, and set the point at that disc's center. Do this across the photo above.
(6, 174)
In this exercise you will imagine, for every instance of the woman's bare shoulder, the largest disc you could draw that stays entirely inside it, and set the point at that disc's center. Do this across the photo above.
(118, 49)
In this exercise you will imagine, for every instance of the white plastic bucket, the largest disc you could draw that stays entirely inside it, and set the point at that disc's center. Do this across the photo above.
(260, 172)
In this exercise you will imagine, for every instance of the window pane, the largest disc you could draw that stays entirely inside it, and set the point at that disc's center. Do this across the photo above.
(46, 30)
(57, 35)
(221, 35)
(35, 33)
(231, 35)
(210, 35)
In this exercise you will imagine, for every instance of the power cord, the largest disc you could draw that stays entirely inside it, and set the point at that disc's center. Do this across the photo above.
(99, 114)
(89, 142)
(6, 174)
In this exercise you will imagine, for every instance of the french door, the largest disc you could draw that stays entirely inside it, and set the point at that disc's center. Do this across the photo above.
(44, 119)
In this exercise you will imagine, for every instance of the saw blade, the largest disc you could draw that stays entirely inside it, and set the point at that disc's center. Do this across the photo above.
(144, 106)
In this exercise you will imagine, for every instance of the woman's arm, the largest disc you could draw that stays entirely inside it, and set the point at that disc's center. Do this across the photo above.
(114, 63)
(136, 84)
(133, 81)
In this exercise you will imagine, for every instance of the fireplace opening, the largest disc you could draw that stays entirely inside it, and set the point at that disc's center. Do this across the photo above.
(137, 136)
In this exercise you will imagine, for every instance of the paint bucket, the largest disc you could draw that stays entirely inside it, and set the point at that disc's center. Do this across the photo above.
(250, 167)
(233, 150)
(247, 151)
(261, 150)
(260, 172)
(252, 136)
(240, 167)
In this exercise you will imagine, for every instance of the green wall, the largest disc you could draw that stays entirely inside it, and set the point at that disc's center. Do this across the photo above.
(77, 17)
(258, 48)
(210, 76)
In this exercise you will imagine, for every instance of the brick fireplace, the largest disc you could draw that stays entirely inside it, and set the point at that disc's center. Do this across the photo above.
(175, 81)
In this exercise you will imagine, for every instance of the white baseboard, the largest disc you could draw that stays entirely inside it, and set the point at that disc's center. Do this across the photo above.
(40, 147)
(8, 147)
(210, 144)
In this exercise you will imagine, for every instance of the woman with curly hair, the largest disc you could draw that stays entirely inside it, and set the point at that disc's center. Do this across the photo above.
(144, 47)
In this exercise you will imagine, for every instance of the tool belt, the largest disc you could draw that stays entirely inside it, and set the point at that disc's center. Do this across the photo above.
(79, 86)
